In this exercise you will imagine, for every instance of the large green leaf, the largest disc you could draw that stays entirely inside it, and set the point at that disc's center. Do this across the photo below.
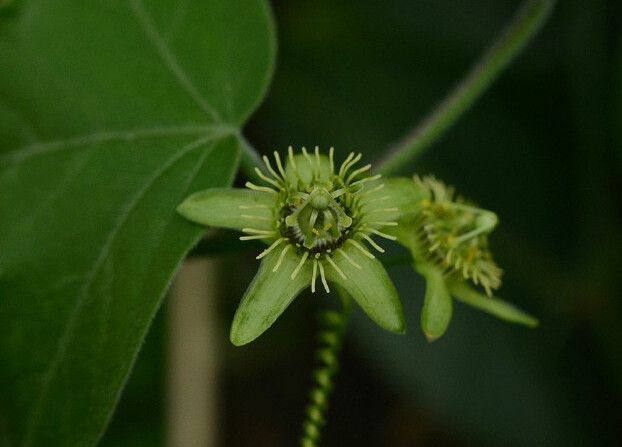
(111, 112)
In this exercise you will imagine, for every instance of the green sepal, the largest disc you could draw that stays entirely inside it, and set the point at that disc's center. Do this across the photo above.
(220, 207)
(495, 306)
(370, 286)
(268, 295)
(437, 306)
(306, 171)
(406, 234)
(403, 194)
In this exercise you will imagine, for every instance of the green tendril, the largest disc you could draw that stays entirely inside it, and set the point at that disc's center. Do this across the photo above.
(331, 328)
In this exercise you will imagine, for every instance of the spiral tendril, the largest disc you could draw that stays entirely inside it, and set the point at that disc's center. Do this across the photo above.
(331, 328)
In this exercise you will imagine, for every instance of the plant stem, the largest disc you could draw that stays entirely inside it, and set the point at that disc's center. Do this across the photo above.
(332, 325)
(249, 160)
(527, 21)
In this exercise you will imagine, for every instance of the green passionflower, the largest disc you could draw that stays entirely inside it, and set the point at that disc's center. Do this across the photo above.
(448, 240)
(316, 219)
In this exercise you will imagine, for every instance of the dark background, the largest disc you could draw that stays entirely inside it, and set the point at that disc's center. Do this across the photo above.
(542, 148)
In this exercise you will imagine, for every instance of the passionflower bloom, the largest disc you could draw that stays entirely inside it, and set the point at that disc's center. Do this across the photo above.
(320, 223)
(448, 240)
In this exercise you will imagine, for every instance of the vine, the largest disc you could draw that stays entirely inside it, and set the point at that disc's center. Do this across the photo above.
(329, 337)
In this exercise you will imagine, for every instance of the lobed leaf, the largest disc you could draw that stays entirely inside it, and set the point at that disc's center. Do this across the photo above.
(111, 112)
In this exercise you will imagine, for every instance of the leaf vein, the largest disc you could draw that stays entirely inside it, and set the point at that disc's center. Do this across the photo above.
(41, 148)
(169, 59)
(90, 277)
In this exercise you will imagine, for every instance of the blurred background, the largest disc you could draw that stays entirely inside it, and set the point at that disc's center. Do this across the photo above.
(542, 148)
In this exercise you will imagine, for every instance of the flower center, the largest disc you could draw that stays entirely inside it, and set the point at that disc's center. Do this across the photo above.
(316, 221)
(320, 208)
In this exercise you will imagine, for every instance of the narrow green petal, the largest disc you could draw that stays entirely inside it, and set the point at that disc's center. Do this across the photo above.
(370, 286)
(437, 307)
(233, 208)
(268, 295)
(495, 306)
(397, 192)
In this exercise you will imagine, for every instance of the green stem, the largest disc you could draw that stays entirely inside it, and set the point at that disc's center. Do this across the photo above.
(527, 21)
(249, 160)
(332, 325)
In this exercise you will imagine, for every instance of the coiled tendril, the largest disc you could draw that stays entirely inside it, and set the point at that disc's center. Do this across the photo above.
(332, 325)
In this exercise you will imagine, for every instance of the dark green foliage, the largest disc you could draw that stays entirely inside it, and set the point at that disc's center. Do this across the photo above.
(111, 112)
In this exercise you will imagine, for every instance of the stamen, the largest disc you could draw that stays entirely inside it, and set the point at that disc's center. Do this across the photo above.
(386, 224)
(435, 246)
(371, 242)
(266, 160)
(256, 236)
(486, 285)
(361, 248)
(277, 157)
(265, 178)
(281, 257)
(254, 231)
(308, 158)
(373, 190)
(472, 234)
(381, 234)
(292, 161)
(331, 223)
(314, 276)
(309, 236)
(350, 260)
(317, 159)
(338, 192)
(270, 248)
(352, 163)
(357, 172)
(323, 277)
(331, 158)
(290, 220)
(345, 162)
(336, 268)
(254, 187)
(367, 179)
(449, 255)
(300, 264)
